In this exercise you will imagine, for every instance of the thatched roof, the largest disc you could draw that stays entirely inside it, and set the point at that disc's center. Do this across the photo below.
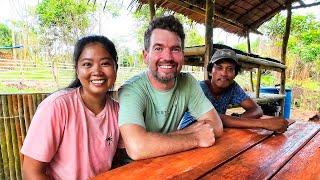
(234, 16)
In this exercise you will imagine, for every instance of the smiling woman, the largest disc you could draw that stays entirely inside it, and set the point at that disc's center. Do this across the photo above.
(74, 133)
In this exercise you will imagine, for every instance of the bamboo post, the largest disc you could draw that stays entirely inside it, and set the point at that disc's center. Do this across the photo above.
(30, 107)
(249, 51)
(18, 131)
(14, 139)
(208, 36)
(39, 99)
(21, 117)
(258, 83)
(1, 166)
(8, 141)
(26, 111)
(34, 104)
(3, 146)
(152, 9)
(284, 54)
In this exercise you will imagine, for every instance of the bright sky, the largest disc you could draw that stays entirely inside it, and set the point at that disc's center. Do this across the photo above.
(122, 28)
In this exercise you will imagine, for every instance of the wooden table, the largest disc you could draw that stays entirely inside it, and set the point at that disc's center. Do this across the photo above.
(238, 154)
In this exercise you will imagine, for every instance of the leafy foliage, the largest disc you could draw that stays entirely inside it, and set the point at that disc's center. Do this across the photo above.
(304, 38)
(64, 20)
(142, 16)
(5, 35)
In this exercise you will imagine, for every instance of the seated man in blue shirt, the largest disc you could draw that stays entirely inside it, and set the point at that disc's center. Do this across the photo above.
(222, 90)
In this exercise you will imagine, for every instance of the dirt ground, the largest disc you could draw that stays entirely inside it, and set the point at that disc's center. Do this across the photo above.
(303, 115)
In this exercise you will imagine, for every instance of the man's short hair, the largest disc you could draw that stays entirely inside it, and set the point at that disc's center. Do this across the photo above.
(169, 23)
(221, 55)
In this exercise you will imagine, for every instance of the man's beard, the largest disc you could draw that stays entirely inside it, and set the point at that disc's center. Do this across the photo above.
(163, 79)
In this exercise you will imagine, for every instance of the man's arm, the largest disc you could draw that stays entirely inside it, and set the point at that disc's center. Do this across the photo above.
(141, 144)
(276, 124)
(214, 120)
(252, 109)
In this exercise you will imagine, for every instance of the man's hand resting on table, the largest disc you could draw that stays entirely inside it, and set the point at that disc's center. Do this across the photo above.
(203, 132)
(276, 124)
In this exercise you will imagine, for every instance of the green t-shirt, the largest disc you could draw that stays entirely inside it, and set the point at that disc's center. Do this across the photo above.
(160, 111)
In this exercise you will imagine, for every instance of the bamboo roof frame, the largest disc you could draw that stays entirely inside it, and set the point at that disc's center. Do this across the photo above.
(234, 16)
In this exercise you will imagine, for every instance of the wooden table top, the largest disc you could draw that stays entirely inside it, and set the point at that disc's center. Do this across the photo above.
(238, 154)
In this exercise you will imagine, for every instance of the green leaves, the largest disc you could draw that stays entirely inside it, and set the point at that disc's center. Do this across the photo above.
(64, 19)
(304, 35)
(5, 35)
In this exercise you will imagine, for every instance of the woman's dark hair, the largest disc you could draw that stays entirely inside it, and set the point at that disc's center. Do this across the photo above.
(79, 47)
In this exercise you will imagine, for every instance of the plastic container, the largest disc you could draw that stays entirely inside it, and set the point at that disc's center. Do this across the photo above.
(287, 100)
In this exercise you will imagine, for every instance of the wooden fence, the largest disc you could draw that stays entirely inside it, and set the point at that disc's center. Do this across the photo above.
(16, 112)
(39, 76)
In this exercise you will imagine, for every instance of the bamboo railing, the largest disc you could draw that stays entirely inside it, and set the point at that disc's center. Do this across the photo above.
(16, 112)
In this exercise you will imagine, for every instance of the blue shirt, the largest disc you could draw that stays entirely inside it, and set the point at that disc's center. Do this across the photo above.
(233, 95)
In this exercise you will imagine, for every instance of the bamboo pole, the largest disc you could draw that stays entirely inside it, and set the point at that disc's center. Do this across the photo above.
(258, 83)
(249, 51)
(1, 166)
(200, 50)
(3, 146)
(22, 123)
(210, 10)
(21, 117)
(30, 106)
(33, 105)
(26, 111)
(152, 9)
(8, 137)
(39, 99)
(14, 139)
(284, 53)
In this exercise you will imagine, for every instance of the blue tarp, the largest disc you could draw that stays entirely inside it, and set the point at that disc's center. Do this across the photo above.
(11, 47)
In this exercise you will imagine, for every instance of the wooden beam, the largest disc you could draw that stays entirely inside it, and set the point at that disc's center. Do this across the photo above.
(231, 3)
(286, 35)
(152, 9)
(259, 61)
(210, 10)
(265, 17)
(217, 17)
(284, 53)
(258, 83)
(250, 10)
(249, 51)
(200, 50)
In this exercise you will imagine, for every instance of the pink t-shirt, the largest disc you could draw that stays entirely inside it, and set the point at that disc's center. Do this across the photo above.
(76, 143)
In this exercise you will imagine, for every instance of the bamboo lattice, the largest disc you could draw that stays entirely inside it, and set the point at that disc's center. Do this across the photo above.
(16, 112)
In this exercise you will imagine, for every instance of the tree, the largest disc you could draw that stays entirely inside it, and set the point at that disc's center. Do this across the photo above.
(303, 45)
(142, 16)
(66, 20)
(61, 24)
(5, 35)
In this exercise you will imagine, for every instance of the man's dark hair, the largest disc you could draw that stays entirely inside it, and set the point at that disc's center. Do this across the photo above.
(169, 23)
(210, 66)
(81, 44)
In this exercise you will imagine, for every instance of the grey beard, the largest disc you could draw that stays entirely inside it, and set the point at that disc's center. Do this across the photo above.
(163, 80)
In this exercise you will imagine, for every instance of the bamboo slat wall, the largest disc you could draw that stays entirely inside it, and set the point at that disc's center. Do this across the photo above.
(16, 112)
